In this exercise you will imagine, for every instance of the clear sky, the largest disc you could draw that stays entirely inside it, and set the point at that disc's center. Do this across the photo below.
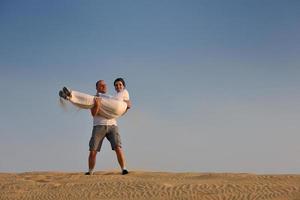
(215, 85)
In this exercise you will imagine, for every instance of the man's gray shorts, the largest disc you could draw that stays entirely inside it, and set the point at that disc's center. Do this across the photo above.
(100, 132)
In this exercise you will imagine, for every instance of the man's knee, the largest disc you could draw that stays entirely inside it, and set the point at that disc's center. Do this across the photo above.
(118, 148)
(93, 153)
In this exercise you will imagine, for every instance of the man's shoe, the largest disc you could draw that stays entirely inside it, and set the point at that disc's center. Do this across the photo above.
(124, 172)
(88, 173)
(62, 94)
(67, 91)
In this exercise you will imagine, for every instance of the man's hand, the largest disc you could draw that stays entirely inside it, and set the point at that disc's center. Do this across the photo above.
(95, 109)
(128, 102)
(96, 101)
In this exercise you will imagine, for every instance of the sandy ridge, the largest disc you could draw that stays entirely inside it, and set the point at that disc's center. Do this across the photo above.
(148, 185)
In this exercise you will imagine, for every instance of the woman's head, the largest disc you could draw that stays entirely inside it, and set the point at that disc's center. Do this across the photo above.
(119, 84)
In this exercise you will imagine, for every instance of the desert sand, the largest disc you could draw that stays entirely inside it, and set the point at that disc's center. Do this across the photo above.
(148, 185)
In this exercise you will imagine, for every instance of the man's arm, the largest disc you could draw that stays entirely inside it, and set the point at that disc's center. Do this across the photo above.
(95, 109)
(128, 102)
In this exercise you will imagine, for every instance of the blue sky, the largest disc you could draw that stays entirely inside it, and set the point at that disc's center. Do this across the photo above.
(214, 84)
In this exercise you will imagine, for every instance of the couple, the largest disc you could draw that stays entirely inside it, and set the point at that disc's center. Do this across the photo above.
(104, 109)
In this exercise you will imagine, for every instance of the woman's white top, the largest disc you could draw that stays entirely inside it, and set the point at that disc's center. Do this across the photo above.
(110, 107)
(122, 95)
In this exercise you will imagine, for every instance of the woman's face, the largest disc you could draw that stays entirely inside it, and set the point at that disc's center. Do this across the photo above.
(119, 86)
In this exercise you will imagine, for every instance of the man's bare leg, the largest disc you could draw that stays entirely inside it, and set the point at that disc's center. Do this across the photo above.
(121, 160)
(92, 162)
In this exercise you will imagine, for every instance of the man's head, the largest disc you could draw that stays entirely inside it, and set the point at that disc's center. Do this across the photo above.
(101, 86)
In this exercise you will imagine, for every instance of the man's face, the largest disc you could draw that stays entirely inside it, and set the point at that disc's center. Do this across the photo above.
(101, 87)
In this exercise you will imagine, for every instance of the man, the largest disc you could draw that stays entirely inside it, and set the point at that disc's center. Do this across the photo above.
(102, 128)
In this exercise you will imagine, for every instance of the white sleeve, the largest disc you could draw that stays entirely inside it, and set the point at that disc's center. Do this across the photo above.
(123, 95)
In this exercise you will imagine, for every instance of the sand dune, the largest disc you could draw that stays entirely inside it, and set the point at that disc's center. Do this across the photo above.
(148, 185)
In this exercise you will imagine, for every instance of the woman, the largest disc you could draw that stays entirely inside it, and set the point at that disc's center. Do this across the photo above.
(122, 93)
(110, 107)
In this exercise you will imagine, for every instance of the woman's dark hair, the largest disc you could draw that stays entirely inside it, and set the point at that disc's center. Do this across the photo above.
(121, 80)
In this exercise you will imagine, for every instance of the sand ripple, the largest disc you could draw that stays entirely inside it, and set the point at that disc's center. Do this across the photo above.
(148, 185)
